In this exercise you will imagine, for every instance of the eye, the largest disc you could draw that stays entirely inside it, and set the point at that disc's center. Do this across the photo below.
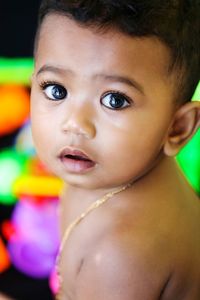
(54, 91)
(115, 101)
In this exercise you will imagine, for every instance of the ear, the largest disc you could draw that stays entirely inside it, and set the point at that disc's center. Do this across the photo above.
(185, 123)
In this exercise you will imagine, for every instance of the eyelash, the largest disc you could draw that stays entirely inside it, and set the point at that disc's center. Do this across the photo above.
(117, 92)
(47, 83)
(44, 84)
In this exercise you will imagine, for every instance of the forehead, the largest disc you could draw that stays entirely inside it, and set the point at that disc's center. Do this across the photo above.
(86, 51)
(57, 27)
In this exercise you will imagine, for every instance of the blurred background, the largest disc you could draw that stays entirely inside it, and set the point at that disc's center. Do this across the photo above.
(28, 192)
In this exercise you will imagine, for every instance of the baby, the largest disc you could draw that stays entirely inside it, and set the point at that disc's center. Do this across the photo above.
(110, 109)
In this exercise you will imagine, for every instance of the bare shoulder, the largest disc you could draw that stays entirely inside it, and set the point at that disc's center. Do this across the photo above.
(147, 258)
(122, 267)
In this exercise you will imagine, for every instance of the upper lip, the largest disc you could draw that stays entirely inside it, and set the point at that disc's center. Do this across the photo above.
(74, 152)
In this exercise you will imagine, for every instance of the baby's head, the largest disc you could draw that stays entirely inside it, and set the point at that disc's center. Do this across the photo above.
(175, 23)
(112, 84)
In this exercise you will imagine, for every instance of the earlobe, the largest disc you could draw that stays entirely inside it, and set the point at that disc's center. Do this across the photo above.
(185, 123)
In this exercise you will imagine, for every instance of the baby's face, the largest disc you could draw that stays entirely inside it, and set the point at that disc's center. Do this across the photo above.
(101, 103)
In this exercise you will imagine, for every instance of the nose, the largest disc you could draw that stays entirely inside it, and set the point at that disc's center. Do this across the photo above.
(79, 121)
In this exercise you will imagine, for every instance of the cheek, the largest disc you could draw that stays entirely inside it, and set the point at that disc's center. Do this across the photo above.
(43, 143)
(136, 142)
(42, 133)
(41, 126)
(134, 130)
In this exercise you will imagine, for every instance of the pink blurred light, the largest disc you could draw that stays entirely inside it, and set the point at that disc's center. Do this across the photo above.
(34, 245)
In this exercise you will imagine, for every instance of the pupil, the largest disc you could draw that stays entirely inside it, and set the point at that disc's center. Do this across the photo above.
(58, 92)
(116, 101)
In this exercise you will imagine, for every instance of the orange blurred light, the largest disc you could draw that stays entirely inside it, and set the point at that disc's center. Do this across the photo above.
(4, 257)
(14, 107)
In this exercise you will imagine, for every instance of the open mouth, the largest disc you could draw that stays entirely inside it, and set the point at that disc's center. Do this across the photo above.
(77, 157)
(76, 161)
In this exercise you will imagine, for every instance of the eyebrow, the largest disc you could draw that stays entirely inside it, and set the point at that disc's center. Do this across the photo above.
(53, 69)
(123, 79)
(114, 78)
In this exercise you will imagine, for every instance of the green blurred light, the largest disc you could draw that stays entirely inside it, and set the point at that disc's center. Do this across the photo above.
(196, 95)
(189, 157)
(16, 71)
(189, 161)
(12, 165)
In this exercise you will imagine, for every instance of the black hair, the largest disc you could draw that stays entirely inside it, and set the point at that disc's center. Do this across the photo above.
(176, 23)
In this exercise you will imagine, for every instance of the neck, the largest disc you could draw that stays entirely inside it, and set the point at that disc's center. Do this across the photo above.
(164, 174)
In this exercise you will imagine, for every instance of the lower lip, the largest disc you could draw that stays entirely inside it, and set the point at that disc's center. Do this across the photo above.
(77, 166)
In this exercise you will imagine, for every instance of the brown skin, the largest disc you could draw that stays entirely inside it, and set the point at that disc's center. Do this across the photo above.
(144, 243)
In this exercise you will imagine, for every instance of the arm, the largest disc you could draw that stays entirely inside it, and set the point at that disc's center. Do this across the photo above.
(120, 272)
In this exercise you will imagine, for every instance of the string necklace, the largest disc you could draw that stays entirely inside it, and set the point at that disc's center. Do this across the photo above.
(73, 224)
